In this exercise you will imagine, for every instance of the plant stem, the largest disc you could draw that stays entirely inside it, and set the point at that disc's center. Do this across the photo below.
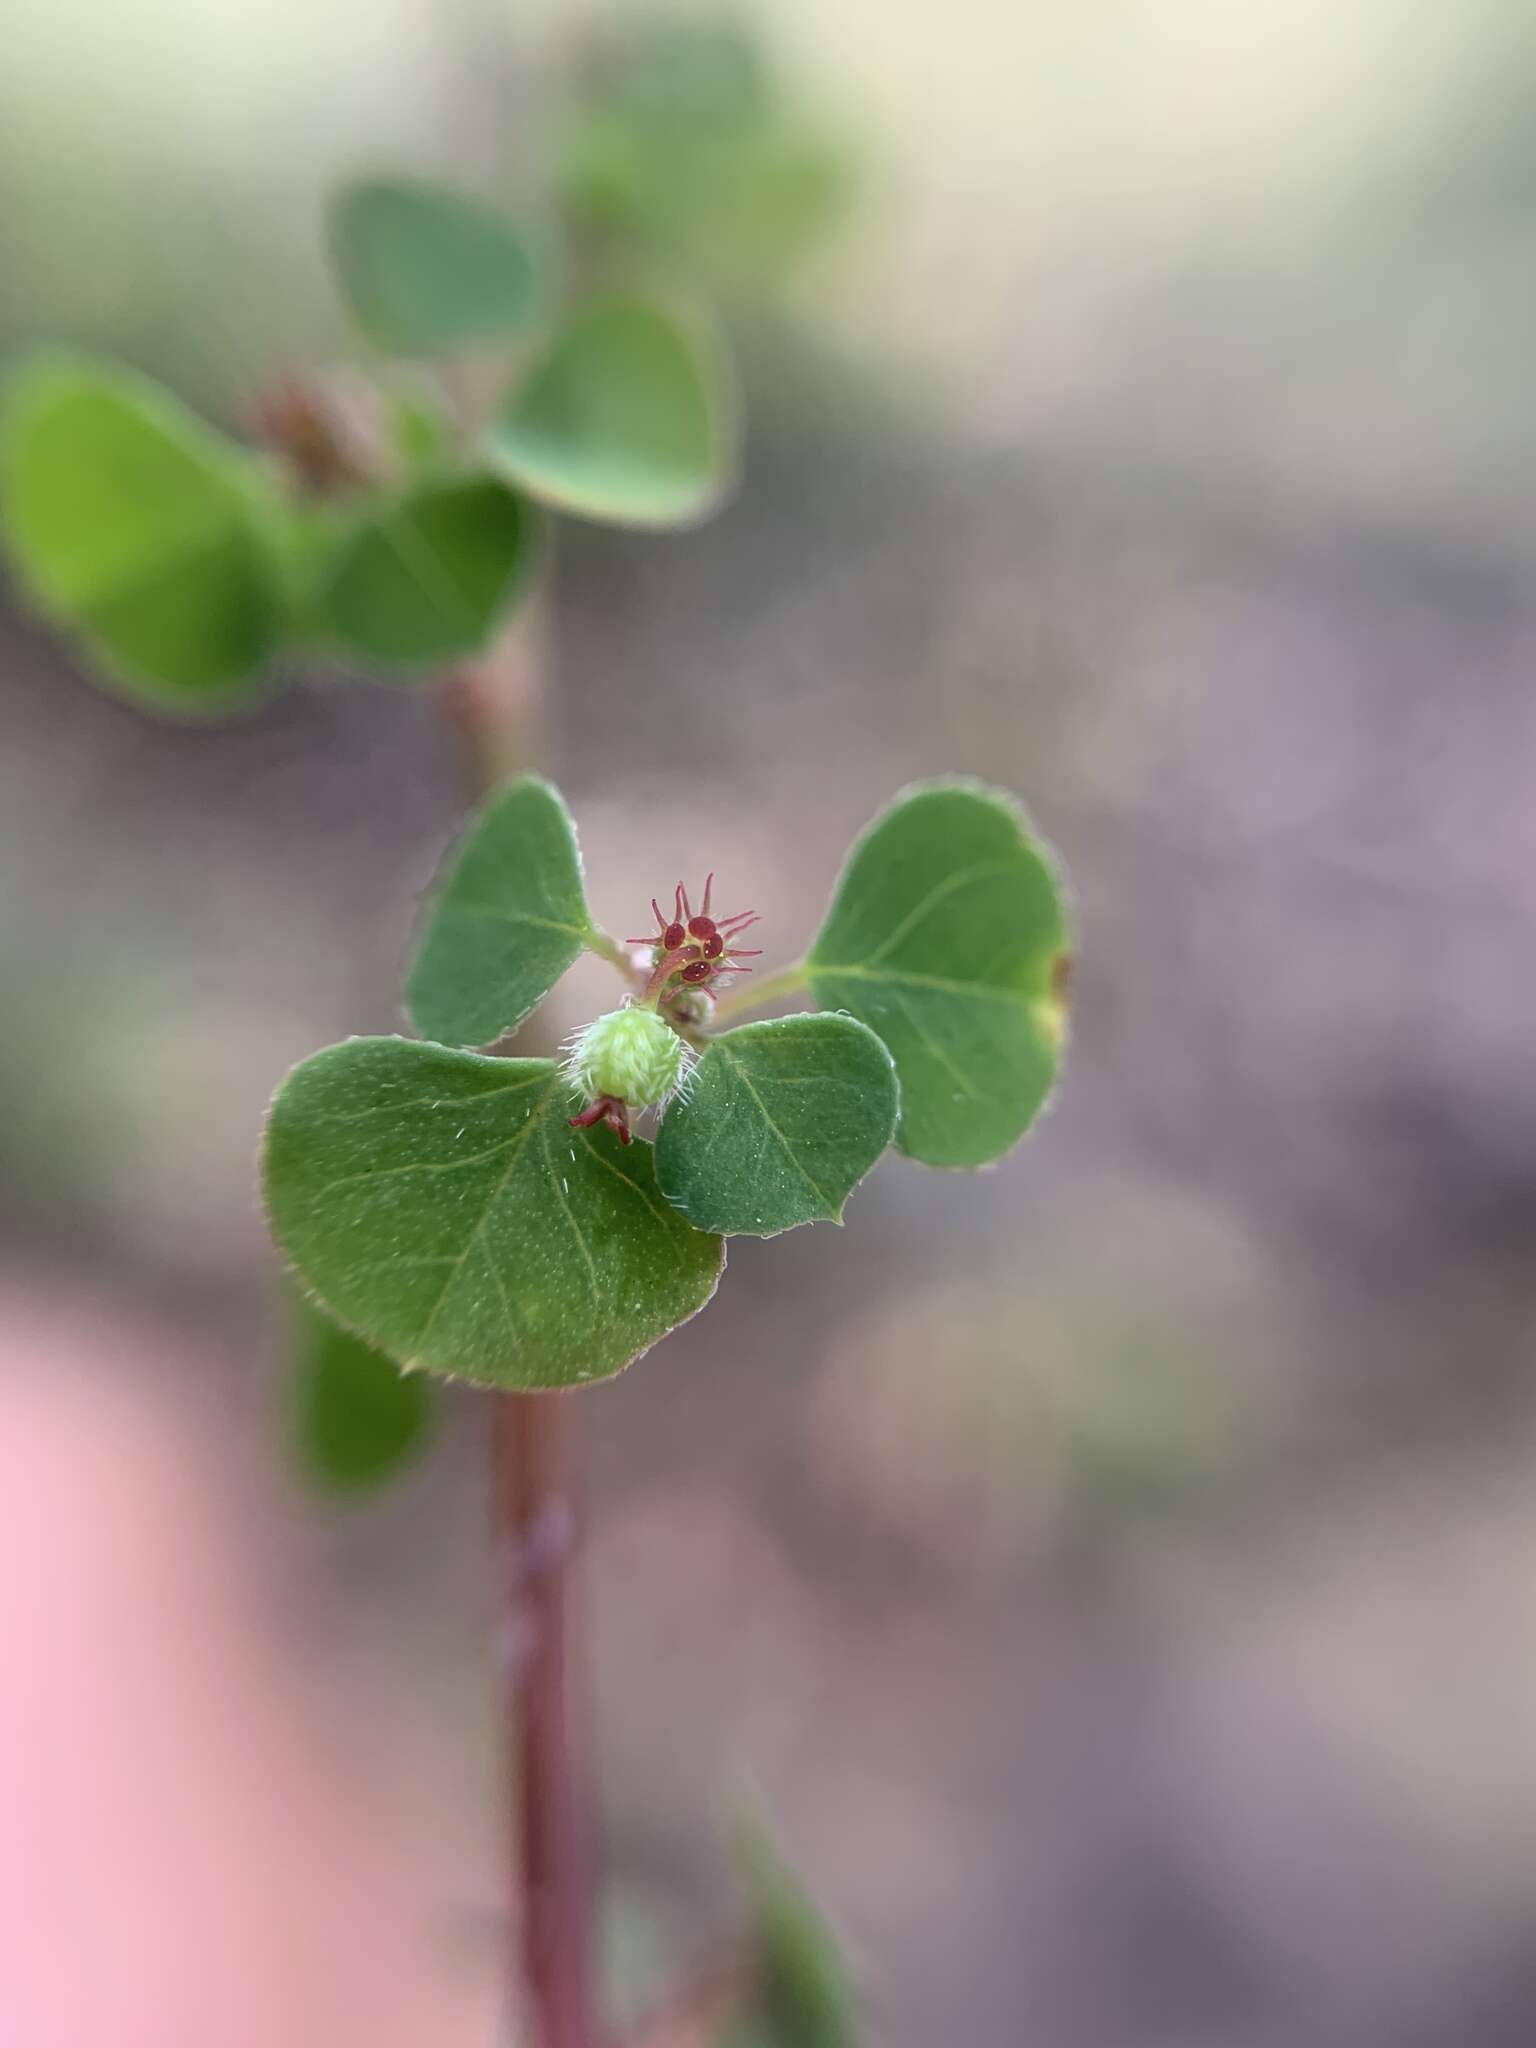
(787, 982)
(535, 1449)
(496, 705)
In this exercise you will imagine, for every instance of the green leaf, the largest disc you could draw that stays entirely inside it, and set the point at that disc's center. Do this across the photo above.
(439, 1204)
(738, 209)
(137, 526)
(426, 270)
(674, 75)
(419, 434)
(683, 141)
(509, 918)
(802, 1997)
(780, 1123)
(628, 417)
(428, 577)
(355, 1418)
(947, 936)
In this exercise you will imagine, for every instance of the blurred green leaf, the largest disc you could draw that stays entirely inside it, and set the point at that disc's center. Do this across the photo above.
(947, 936)
(682, 141)
(429, 576)
(137, 526)
(802, 1996)
(307, 534)
(780, 1122)
(419, 433)
(736, 213)
(440, 1204)
(356, 1418)
(688, 73)
(427, 270)
(628, 417)
(507, 921)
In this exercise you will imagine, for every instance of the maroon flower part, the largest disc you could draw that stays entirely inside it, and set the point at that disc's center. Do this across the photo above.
(607, 1109)
(691, 950)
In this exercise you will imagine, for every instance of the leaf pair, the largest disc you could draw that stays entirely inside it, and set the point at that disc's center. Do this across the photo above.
(779, 1122)
(185, 565)
(625, 413)
(439, 1203)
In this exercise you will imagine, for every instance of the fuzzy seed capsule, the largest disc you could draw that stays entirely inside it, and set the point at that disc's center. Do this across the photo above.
(630, 1056)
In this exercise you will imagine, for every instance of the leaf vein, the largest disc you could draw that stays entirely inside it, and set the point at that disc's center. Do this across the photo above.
(789, 1152)
(502, 915)
(936, 1050)
(518, 1142)
(935, 896)
(667, 1216)
(907, 978)
(348, 1180)
(437, 1100)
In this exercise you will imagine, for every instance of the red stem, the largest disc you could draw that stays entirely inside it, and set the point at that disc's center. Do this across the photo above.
(495, 705)
(537, 1529)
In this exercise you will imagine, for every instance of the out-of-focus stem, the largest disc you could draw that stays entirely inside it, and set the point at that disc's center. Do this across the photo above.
(496, 704)
(535, 1449)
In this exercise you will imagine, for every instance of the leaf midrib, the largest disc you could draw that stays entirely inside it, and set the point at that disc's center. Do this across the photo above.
(505, 916)
(935, 896)
(908, 978)
(735, 1061)
(519, 1145)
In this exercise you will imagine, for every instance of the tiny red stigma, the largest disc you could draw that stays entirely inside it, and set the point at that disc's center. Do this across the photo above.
(606, 1110)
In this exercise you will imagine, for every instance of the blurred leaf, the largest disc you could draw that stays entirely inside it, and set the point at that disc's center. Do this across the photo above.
(509, 918)
(307, 535)
(439, 1203)
(683, 142)
(780, 1123)
(737, 213)
(689, 74)
(628, 417)
(144, 531)
(947, 936)
(427, 270)
(356, 1418)
(429, 576)
(803, 1998)
(419, 433)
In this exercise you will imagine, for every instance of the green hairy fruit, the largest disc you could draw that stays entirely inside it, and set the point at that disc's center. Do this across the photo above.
(632, 1055)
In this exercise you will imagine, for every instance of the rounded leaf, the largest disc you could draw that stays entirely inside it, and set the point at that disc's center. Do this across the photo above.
(429, 577)
(439, 1204)
(508, 919)
(947, 935)
(137, 526)
(779, 1123)
(628, 417)
(355, 1418)
(426, 270)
